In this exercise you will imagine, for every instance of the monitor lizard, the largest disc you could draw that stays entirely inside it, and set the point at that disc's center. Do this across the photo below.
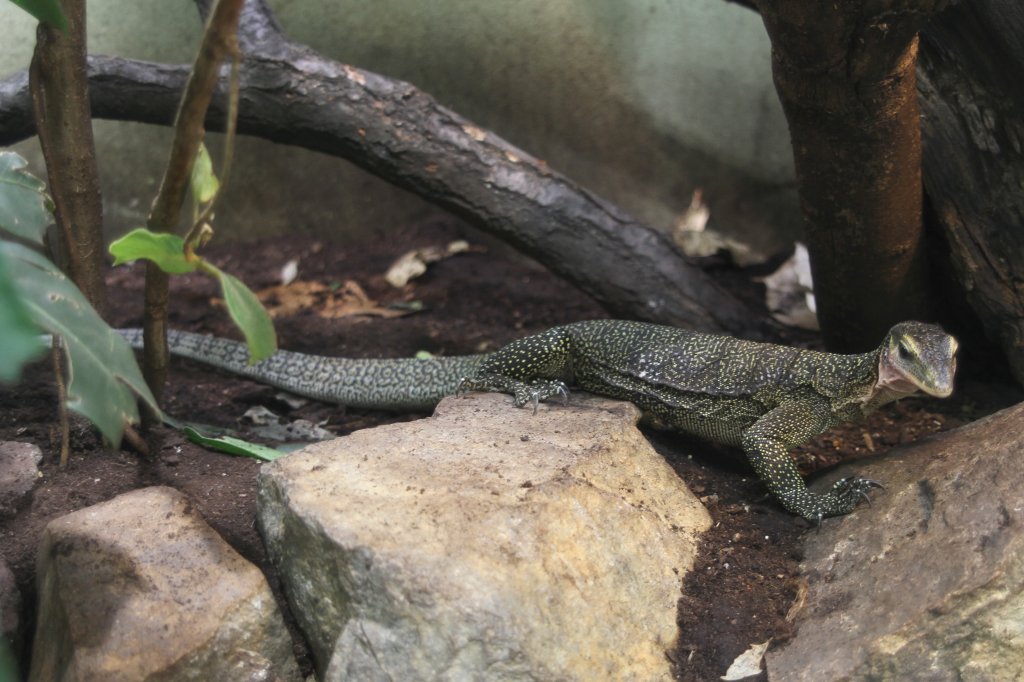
(762, 397)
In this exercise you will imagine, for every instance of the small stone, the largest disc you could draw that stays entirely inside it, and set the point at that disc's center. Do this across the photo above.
(140, 587)
(19, 472)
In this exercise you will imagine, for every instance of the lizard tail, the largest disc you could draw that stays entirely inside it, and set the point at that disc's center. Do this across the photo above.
(384, 384)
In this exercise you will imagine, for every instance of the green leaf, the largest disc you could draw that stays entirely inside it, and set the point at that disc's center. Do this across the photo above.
(249, 316)
(25, 210)
(163, 248)
(234, 446)
(102, 375)
(19, 337)
(44, 10)
(204, 182)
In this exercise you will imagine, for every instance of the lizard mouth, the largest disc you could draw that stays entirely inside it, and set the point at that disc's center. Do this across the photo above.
(896, 379)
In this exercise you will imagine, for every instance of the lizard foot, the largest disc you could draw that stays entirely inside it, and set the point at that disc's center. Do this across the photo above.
(842, 498)
(856, 487)
(539, 390)
(533, 392)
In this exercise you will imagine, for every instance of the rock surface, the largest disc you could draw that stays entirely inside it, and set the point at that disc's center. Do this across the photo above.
(140, 587)
(10, 604)
(485, 543)
(928, 584)
(19, 472)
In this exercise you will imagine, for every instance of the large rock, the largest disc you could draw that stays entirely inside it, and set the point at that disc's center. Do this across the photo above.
(10, 606)
(485, 543)
(141, 588)
(928, 584)
(19, 472)
(10, 602)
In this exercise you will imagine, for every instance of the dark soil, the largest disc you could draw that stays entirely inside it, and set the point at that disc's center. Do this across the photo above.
(745, 582)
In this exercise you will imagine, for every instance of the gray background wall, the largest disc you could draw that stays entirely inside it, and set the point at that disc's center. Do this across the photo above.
(641, 101)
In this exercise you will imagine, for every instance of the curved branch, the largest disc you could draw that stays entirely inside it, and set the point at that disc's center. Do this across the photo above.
(292, 95)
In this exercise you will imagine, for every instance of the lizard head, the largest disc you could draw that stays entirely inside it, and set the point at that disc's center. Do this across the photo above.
(917, 357)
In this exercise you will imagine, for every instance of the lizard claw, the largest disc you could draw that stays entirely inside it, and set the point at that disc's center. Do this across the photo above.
(854, 489)
(863, 495)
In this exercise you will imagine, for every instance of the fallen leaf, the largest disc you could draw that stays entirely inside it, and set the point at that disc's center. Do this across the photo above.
(790, 291)
(412, 264)
(748, 663)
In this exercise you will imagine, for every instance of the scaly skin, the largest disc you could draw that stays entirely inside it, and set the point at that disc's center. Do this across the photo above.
(400, 384)
(762, 397)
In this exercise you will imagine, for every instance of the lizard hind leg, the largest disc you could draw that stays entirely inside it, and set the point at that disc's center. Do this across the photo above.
(531, 369)
(523, 392)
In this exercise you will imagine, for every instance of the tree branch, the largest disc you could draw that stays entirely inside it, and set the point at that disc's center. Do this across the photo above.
(292, 95)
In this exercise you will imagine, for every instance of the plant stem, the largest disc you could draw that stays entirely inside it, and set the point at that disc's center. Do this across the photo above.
(219, 40)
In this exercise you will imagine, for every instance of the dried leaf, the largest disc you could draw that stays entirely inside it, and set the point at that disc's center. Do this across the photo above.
(748, 663)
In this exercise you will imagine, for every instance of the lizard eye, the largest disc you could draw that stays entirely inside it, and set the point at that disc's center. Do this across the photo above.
(904, 351)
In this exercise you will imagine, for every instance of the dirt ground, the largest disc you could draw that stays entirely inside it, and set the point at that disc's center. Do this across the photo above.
(745, 582)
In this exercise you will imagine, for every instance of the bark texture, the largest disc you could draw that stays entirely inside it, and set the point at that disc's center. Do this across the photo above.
(294, 96)
(845, 73)
(60, 99)
(972, 97)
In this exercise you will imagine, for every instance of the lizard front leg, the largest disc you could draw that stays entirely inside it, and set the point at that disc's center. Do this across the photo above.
(767, 443)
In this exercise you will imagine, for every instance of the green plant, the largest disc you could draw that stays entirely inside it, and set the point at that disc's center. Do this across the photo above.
(176, 255)
(103, 377)
(101, 369)
(44, 10)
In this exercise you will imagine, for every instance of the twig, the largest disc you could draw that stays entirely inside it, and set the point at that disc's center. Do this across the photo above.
(137, 442)
(194, 234)
(62, 402)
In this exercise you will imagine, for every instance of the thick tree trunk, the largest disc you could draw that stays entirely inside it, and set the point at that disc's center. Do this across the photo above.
(972, 104)
(60, 94)
(972, 97)
(845, 75)
(293, 96)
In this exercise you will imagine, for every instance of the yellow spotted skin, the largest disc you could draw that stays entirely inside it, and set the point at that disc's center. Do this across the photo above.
(388, 384)
(762, 397)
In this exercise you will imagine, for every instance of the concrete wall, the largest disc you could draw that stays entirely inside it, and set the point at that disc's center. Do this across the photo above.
(641, 101)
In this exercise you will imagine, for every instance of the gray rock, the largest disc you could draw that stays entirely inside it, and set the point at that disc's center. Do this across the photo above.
(19, 472)
(928, 583)
(485, 543)
(10, 601)
(140, 587)
(10, 605)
